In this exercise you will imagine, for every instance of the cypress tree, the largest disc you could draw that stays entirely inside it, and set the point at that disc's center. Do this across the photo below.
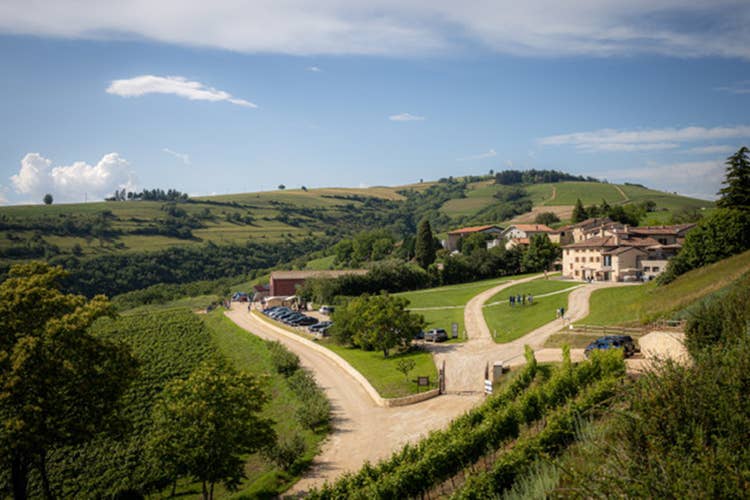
(736, 193)
(579, 213)
(424, 248)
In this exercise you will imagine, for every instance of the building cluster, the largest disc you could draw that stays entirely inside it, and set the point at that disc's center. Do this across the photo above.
(596, 249)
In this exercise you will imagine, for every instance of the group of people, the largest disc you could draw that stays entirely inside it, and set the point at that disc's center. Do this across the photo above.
(520, 299)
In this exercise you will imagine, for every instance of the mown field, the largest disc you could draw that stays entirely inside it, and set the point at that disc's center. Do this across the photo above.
(507, 323)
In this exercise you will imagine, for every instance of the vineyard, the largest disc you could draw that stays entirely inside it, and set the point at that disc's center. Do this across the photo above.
(482, 452)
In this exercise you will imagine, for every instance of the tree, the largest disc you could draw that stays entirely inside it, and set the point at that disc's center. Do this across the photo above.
(546, 218)
(579, 213)
(473, 242)
(405, 366)
(736, 193)
(59, 385)
(424, 248)
(379, 322)
(48, 199)
(540, 254)
(281, 186)
(203, 425)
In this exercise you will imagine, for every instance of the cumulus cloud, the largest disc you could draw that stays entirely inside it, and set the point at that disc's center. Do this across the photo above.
(642, 140)
(701, 179)
(176, 85)
(75, 182)
(489, 154)
(314, 69)
(402, 27)
(185, 158)
(405, 117)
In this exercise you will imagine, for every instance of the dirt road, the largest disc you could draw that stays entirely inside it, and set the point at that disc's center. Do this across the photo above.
(465, 363)
(362, 430)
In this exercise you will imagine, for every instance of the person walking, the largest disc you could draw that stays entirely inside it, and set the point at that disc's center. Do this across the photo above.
(531, 299)
(512, 301)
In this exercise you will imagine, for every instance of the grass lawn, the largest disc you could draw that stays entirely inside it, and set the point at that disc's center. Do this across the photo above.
(322, 263)
(379, 371)
(248, 353)
(192, 303)
(510, 323)
(644, 303)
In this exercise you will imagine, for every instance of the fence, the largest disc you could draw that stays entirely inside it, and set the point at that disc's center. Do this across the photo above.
(670, 325)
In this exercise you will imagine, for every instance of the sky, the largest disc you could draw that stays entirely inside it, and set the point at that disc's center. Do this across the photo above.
(233, 96)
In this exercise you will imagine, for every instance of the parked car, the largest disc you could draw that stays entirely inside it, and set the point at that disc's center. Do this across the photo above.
(624, 342)
(305, 321)
(436, 335)
(419, 335)
(326, 309)
(323, 324)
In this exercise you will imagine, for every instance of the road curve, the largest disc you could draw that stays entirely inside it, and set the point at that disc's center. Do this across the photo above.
(361, 430)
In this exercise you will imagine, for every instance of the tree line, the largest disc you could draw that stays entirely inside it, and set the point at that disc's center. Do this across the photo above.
(533, 176)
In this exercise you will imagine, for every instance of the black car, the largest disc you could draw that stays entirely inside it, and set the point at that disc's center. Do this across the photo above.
(304, 321)
(624, 342)
(319, 326)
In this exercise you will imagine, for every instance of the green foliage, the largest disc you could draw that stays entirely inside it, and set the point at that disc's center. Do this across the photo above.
(58, 383)
(376, 322)
(405, 366)
(540, 255)
(285, 362)
(164, 293)
(722, 321)
(315, 410)
(736, 193)
(286, 451)
(579, 212)
(724, 233)
(533, 176)
(424, 247)
(366, 246)
(546, 218)
(48, 199)
(204, 424)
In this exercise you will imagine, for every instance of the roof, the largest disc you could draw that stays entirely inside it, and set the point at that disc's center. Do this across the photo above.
(474, 229)
(621, 250)
(586, 223)
(261, 288)
(302, 275)
(655, 230)
(520, 241)
(612, 242)
(530, 228)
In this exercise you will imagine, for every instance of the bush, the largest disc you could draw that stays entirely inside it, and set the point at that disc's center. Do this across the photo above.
(285, 452)
(315, 411)
(285, 362)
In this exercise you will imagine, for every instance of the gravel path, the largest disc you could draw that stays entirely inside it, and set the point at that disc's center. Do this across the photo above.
(362, 431)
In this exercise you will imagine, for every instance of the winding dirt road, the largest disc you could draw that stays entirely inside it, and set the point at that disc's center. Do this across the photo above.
(362, 430)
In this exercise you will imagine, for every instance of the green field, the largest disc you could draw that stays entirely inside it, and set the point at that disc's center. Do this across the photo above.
(568, 192)
(379, 371)
(643, 303)
(453, 298)
(508, 323)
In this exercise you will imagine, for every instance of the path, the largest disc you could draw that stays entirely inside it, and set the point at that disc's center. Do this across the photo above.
(625, 198)
(554, 194)
(464, 363)
(362, 431)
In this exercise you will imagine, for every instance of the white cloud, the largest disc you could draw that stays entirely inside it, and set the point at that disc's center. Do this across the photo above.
(75, 182)
(406, 117)
(683, 28)
(701, 179)
(709, 150)
(314, 69)
(642, 140)
(737, 88)
(489, 154)
(176, 85)
(185, 158)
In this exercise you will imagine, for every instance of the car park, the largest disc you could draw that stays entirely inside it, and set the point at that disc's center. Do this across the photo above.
(436, 335)
(624, 342)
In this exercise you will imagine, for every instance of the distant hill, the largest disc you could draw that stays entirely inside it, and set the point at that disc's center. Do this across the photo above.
(105, 228)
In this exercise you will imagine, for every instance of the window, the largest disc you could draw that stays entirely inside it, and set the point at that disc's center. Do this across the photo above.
(646, 269)
(576, 259)
(597, 259)
(591, 259)
(571, 266)
(578, 272)
(607, 260)
(656, 269)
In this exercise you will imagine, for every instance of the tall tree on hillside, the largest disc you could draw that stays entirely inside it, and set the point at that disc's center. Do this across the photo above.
(203, 425)
(424, 248)
(579, 213)
(736, 193)
(58, 384)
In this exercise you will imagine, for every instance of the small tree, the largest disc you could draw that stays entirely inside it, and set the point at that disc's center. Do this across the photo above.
(203, 425)
(48, 199)
(736, 193)
(546, 218)
(405, 366)
(424, 247)
(579, 213)
(281, 186)
(540, 254)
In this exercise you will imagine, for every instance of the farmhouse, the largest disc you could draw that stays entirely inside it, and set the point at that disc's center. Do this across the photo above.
(285, 283)
(616, 252)
(520, 235)
(455, 236)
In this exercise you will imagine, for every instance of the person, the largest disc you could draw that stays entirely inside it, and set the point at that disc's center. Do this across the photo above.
(557, 312)
(562, 313)
(518, 298)
(531, 299)
(512, 300)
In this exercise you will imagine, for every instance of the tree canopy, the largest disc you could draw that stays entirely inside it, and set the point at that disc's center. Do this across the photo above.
(204, 424)
(59, 385)
(736, 192)
(424, 248)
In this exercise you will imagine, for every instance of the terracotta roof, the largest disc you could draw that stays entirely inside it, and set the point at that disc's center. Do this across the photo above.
(661, 229)
(261, 288)
(301, 275)
(474, 229)
(611, 241)
(532, 228)
(620, 250)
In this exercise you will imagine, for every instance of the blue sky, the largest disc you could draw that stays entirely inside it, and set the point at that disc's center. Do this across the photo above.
(244, 96)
